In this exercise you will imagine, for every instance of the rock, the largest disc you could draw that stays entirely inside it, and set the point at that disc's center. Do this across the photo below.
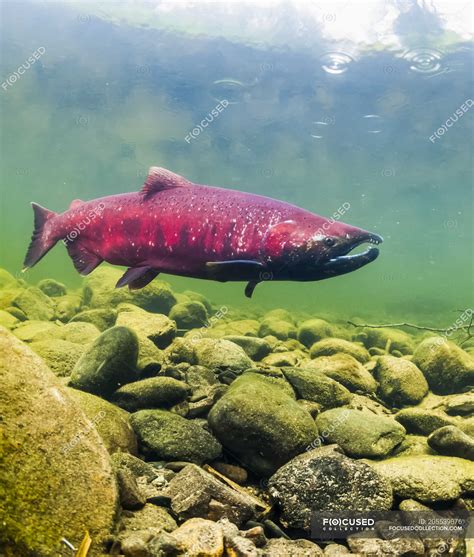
(447, 368)
(65, 307)
(282, 359)
(376, 546)
(421, 421)
(325, 480)
(34, 304)
(201, 406)
(59, 355)
(428, 479)
(400, 381)
(346, 370)
(280, 315)
(235, 473)
(451, 441)
(201, 537)
(242, 327)
(260, 423)
(277, 328)
(112, 423)
(150, 358)
(8, 320)
(167, 436)
(56, 475)
(196, 296)
(189, 315)
(80, 333)
(150, 516)
(155, 392)
(460, 404)
(291, 548)
(7, 295)
(7, 279)
(31, 331)
(368, 405)
(110, 362)
(139, 468)
(331, 346)
(256, 348)
(317, 387)
(335, 550)
(384, 337)
(413, 445)
(359, 434)
(220, 354)
(131, 498)
(196, 493)
(313, 330)
(52, 288)
(160, 329)
(102, 318)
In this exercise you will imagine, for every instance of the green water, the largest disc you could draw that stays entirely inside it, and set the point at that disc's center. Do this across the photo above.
(320, 115)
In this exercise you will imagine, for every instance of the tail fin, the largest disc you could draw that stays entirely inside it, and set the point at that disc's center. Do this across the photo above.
(42, 239)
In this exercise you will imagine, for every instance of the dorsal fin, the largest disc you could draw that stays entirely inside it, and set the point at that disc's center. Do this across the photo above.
(160, 179)
(75, 203)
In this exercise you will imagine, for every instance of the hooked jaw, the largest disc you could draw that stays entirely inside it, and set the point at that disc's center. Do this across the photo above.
(343, 262)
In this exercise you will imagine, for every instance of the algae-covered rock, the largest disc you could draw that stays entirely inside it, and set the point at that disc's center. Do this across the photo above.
(260, 423)
(325, 480)
(160, 329)
(346, 370)
(155, 392)
(102, 318)
(110, 362)
(59, 355)
(422, 421)
(198, 297)
(31, 331)
(150, 516)
(359, 434)
(7, 279)
(278, 328)
(284, 359)
(80, 333)
(167, 436)
(66, 307)
(312, 330)
(460, 405)
(256, 348)
(52, 288)
(447, 368)
(56, 476)
(280, 314)
(317, 387)
(451, 441)
(8, 320)
(400, 381)
(413, 445)
(112, 423)
(189, 314)
(428, 479)
(150, 357)
(386, 338)
(220, 354)
(331, 346)
(34, 304)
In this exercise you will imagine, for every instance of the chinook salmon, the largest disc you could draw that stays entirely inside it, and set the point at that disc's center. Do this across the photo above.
(175, 226)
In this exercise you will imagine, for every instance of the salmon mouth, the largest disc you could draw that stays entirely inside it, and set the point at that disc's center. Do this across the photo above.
(345, 262)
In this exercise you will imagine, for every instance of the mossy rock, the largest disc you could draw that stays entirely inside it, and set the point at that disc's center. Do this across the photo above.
(52, 288)
(384, 337)
(66, 307)
(452, 441)
(112, 423)
(413, 445)
(256, 348)
(331, 346)
(59, 355)
(155, 392)
(422, 421)
(189, 315)
(198, 297)
(346, 370)
(312, 330)
(280, 315)
(278, 328)
(33, 331)
(220, 354)
(101, 318)
(400, 381)
(57, 480)
(8, 320)
(261, 424)
(34, 304)
(160, 329)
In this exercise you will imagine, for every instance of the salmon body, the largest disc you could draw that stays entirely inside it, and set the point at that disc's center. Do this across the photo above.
(175, 226)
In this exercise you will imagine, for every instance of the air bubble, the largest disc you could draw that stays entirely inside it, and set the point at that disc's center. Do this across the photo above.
(424, 60)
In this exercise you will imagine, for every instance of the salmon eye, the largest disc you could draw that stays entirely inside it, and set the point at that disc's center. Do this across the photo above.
(328, 241)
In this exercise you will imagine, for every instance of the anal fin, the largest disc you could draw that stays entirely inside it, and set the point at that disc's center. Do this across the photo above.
(137, 277)
(250, 288)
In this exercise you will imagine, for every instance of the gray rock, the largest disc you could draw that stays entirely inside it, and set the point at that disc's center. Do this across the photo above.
(34, 304)
(196, 493)
(451, 441)
(317, 387)
(428, 479)
(220, 354)
(150, 516)
(325, 480)
(256, 348)
(110, 362)
(331, 346)
(312, 330)
(131, 497)
(53, 461)
(346, 370)
(165, 435)
(155, 392)
(376, 546)
(422, 421)
(261, 423)
(160, 329)
(400, 381)
(189, 314)
(291, 548)
(447, 368)
(200, 537)
(359, 434)
(52, 288)
(59, 355)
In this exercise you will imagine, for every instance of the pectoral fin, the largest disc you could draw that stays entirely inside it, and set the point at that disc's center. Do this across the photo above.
(240, 269)
(137, 277)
